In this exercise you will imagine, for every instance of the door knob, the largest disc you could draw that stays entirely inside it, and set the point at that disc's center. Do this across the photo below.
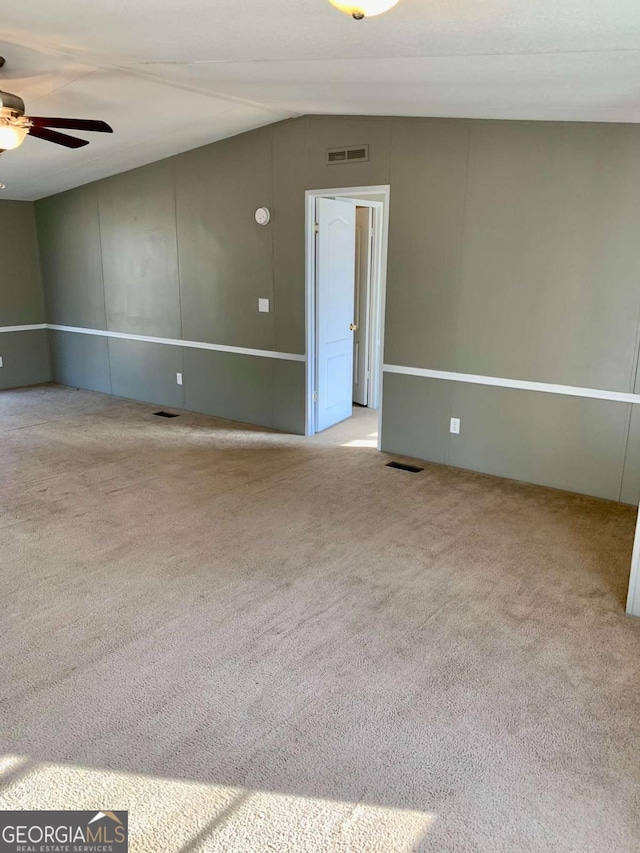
(353, 327)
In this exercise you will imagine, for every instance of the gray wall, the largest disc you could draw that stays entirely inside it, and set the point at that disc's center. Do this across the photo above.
(24, 354)
(512, 253)
(172, 250)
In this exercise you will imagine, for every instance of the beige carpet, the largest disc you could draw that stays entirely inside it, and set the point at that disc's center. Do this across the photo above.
(257, 642)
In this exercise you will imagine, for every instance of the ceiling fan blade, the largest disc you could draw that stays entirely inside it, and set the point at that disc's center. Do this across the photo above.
(72, 124)
(58, 138)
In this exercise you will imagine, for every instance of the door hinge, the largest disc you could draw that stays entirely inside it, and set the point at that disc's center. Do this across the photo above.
(316, 228)
(315, 396)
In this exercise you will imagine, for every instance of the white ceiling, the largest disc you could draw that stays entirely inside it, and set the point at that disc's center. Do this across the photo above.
(170, 75)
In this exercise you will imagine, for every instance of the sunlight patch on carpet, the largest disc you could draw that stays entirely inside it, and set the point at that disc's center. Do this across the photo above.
(193, 817)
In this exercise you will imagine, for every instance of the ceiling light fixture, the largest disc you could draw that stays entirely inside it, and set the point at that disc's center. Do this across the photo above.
(15, 125)
(364, 8)
(11, 135)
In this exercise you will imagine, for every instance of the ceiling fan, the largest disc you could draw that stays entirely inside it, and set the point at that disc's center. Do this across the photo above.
(15, 125)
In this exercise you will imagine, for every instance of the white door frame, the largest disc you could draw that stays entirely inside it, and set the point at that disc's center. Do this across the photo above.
(378, 291)
(364, 276)
(633, 594)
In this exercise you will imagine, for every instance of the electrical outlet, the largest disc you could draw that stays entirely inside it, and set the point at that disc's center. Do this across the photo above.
(263, 306)
(179, 378)
(454, 426)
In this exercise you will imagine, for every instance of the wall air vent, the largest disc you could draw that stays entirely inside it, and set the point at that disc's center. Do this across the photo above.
(354, 154)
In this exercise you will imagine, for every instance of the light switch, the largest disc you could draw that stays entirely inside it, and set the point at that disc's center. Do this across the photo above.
(179, 378)
(263, 306)
(1, 362)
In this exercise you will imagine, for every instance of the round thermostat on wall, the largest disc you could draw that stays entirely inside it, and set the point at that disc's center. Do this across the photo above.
(263, 216)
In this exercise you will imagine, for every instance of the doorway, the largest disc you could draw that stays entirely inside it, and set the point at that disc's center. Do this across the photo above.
(347, 234)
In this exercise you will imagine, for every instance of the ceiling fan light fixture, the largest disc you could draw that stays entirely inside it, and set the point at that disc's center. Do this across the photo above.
(15, 125)
(11, 135)
(364, 8)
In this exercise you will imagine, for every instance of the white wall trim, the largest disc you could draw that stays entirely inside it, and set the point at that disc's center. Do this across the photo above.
(520, 384)
(28, 328)
(176, 342)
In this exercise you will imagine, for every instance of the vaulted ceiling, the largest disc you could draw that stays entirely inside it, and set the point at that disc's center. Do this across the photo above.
(170, 75)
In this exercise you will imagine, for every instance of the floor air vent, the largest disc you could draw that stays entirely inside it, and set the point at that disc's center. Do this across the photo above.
(402, 467)
(354, 154)
(165, 415)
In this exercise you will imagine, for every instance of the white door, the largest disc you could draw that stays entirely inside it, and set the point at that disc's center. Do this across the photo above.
(363, 288)
(336, 255)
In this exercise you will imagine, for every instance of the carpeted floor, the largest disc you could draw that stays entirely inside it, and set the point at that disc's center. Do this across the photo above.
(257, 642)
